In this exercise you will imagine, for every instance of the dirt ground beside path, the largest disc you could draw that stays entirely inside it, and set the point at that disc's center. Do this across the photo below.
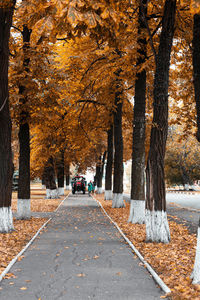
(12, 243)
(173, 262)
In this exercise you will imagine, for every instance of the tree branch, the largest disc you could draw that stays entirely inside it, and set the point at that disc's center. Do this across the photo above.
(91, 101)
(149, 31)
(96, 60)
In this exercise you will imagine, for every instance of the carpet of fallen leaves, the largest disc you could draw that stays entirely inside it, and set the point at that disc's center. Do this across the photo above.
(173, 262)
(38, 201)
(13, 242)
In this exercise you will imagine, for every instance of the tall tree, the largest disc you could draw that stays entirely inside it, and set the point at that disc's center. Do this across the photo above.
(137, 207)
(196, 68)
(60, 173)
(99, 172)
(51, 188)
(23, 202)
(67, 175)
(157, 228)
(6, 166)
(109, 165)
(118, 145)
(196, 75)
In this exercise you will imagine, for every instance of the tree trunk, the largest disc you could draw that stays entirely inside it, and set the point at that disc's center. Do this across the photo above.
(99, 172)
(185, 177)
(98, 181)
(196, 76)
(43, 180)
(51, 189)
(23, 202)
(67, 174)
(118, 155)
(137, 207)
(6, 166)
(157, 228)
(195, 276)
(60, 174)
(196, 68)
(109, 164)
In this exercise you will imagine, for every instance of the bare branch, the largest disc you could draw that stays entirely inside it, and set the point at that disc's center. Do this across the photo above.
(96, 60)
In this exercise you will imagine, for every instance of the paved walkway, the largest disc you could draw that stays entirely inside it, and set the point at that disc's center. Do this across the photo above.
(80, 255)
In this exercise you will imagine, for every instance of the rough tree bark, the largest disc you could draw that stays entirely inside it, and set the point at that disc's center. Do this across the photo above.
(137, 207)
(51, 189)
(99, 172)
(60, 173)
(6, 166)
(23, 202)
(195, 276)
(118, 146)
(109, 164)
(196, 68)
(43, 180)
(196, 76)
(157, 228)
(67, 174)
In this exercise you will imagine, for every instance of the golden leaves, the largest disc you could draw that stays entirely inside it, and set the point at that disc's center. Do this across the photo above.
(105, 14)
(195, 6)
(171, 261)
(81, 275)
(23, 288)
(12, 243)
(6, 3)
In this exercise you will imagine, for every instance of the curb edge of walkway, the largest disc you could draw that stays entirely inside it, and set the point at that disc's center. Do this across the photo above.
(13, 261)
(156, 277)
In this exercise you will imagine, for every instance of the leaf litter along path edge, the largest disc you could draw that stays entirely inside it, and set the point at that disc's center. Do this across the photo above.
(80, 256)
(14, 244)
(163, 286)
(173, 262)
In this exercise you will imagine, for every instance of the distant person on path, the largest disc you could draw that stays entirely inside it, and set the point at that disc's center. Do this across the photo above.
(90, 187)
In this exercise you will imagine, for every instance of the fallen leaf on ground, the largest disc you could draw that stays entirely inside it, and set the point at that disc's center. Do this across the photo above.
(172, 262)
(13, 242)
(119, 273)
(20, 258)
(81, 275)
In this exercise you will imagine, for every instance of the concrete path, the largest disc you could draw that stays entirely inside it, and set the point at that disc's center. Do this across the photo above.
(80, 255)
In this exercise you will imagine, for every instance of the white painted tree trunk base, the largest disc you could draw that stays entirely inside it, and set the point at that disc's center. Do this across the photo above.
(43, 187)
(118, 201)
(23, 209)
(67, 187)
(6, 219)
(137, 212)
(61, 191)
(157, 227)
(108, 195)
(99, 190)
(54, 194)
(51, 194)
(48, 194)
(196, 271)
